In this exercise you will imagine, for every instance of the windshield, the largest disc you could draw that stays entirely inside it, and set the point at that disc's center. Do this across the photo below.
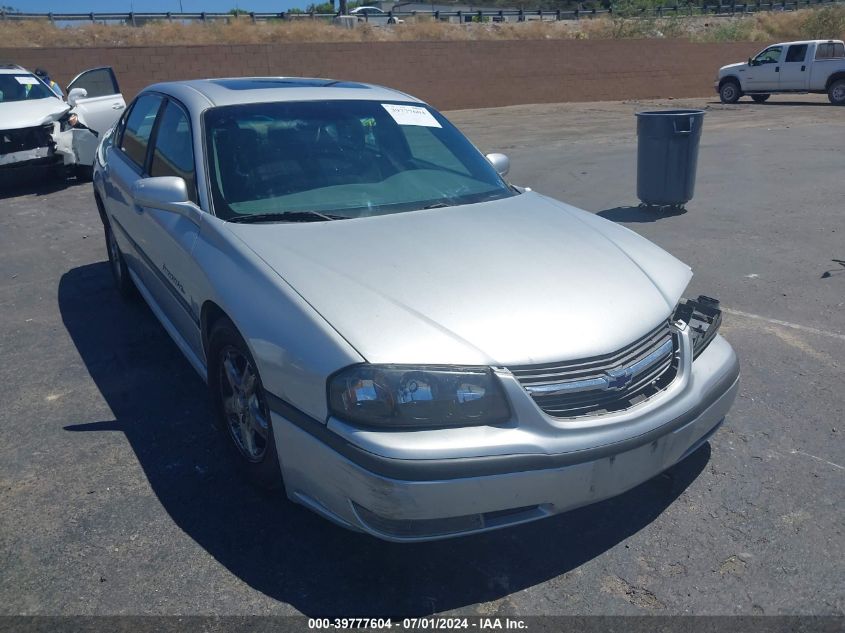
(22, 87)
(344, 159)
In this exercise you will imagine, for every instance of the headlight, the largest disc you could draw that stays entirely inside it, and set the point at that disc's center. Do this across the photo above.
(401, 396)
(68, 121)
(703, 317)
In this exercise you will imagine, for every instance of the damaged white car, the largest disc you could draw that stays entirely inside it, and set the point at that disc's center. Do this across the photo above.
(39, 129)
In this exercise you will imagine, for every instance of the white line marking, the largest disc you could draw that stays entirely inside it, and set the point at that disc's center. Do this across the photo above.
(818, 459)
(794, 326)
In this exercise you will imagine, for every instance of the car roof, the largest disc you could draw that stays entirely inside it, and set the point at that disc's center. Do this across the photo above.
(12, 69)
(806, 42)
(204, 93)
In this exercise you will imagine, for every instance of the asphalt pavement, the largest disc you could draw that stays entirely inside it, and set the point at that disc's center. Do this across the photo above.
(117, 496)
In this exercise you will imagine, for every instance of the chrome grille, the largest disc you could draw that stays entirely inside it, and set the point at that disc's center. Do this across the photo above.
(606, 383)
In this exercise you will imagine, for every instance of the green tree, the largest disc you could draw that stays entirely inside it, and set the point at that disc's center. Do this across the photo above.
(323, 7)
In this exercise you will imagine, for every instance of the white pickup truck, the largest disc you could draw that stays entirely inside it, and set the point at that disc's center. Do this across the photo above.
(790, 67)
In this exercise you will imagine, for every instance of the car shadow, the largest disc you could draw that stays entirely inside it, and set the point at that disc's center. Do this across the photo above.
(773, 103)
(281, 549)
(38, 182)
(640, 213)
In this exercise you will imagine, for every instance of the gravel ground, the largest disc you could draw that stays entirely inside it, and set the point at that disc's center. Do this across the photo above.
(116, 496)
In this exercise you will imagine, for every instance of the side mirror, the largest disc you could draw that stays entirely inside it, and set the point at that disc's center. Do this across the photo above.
(75, 95)
(500, 162)
(168, 193)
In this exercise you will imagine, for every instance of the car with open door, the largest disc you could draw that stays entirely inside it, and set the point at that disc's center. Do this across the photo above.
(39, 129)
(96, 100)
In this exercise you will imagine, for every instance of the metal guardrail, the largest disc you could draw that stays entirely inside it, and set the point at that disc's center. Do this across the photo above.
(135, 19)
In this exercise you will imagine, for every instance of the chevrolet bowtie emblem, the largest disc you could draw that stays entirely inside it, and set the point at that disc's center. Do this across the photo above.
(619, 378)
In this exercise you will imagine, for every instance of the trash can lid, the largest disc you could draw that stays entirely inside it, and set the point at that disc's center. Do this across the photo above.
(670, 112)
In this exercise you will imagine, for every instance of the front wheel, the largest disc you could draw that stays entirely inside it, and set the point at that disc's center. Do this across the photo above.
(729, 92)
(760, 98)
(836, 92)
(240, 406)
(119, 271)
(84, 173)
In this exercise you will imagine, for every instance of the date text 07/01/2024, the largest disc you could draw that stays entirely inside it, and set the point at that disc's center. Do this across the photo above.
(417, 624)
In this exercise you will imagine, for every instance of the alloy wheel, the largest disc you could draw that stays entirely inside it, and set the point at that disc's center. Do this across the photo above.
(246, 416)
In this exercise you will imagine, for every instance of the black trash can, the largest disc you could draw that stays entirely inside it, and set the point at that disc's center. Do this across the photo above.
(667, 156)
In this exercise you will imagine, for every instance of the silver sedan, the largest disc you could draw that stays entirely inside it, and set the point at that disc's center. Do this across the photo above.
(405, 342)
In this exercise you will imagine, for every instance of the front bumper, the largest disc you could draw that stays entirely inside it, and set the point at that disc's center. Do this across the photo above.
(28, 158)
(401, 499)
(27, 146)
(49, 145)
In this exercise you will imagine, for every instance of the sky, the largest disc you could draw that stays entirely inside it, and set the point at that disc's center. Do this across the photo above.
(117, 6)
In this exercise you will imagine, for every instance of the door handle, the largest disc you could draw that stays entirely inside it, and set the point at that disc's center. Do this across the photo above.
(138, 208)
(117, 106)
(803, 68)
(777, 69)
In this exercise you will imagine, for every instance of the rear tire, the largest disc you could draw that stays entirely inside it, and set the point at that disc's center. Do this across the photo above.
(836, 92)
(240, 406)
(729, 91)
(760, 98)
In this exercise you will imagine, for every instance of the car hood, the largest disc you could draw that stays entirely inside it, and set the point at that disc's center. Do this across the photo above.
(520, 280)
(18, 114)
(730, 67)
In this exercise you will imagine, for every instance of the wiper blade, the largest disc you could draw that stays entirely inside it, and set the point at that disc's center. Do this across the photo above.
(290, 216)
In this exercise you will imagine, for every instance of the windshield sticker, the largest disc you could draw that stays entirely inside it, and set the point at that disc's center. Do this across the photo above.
(410, 115)
(28, 81)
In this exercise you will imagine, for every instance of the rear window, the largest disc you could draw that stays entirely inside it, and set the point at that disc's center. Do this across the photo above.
(796, 53)
(830, 50)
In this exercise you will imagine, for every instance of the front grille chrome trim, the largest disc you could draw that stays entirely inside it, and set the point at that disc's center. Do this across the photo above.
(604, 383)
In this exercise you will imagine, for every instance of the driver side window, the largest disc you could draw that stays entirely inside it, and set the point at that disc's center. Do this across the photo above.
(98, 82)
(173, 154)
(769, 56)
(138, 128)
